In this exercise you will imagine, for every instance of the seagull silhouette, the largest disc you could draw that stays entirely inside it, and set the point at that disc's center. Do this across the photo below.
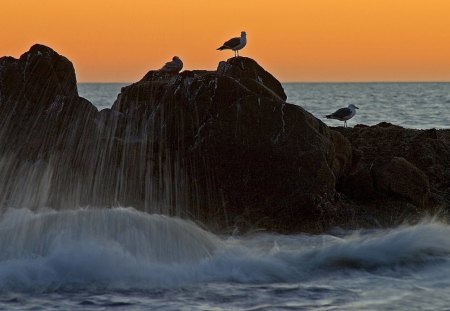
(173, 66)
(235, 44)
(343, 114)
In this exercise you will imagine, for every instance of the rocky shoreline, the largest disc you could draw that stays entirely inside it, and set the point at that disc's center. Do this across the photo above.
(220, 147)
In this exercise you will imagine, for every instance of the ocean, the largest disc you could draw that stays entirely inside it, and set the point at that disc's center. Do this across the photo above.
(412, 105)
(123, 259)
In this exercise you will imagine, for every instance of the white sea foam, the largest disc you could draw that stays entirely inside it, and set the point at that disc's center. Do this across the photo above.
(126, 249)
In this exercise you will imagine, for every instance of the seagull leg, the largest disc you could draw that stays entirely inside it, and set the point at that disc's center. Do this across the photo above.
(345, 123)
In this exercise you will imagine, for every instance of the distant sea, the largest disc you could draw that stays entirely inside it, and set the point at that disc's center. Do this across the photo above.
(412, 105)
(123, 259)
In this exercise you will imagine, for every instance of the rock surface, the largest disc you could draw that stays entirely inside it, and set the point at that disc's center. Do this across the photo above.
(394, 167)
(247, 155)
(222, 147)
(39, 104)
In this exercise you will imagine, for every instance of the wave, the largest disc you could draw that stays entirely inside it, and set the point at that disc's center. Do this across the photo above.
(126, 249)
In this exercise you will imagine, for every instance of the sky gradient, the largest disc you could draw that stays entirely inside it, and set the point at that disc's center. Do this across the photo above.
(296, 40)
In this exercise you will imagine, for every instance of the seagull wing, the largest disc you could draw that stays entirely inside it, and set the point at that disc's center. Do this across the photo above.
(341, 113)
(230, 44)
(170, 67)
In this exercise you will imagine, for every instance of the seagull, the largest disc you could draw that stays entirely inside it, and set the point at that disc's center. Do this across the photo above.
(343, 114)
(235, 44)
(173, 67)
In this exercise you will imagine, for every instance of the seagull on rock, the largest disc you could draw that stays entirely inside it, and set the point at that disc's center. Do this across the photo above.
(173, 67)
(343, 114)
(235, 44)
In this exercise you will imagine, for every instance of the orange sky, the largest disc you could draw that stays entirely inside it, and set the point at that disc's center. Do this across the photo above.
(296, 40)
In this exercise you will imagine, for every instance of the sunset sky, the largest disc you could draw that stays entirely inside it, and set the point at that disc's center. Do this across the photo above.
(296, 40)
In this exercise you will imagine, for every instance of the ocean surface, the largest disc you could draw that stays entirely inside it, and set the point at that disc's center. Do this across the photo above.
(412, 105)
(123, 259)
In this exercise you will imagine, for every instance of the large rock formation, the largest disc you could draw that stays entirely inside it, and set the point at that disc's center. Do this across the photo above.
(222, 147)
(244, 153)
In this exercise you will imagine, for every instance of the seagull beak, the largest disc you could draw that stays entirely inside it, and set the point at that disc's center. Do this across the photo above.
(356, 107)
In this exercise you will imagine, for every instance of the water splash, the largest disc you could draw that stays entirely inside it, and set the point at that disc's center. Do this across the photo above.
(151, 238)
(123, 249)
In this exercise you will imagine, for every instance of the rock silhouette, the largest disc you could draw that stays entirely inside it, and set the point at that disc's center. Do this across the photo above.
(222, 147)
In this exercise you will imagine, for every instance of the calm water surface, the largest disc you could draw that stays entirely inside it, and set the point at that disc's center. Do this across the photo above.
(413, 105)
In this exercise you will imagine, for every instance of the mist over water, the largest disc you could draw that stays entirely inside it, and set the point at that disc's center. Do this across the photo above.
(96, 258)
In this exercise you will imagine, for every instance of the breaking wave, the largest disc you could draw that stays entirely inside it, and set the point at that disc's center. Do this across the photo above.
(126, 249)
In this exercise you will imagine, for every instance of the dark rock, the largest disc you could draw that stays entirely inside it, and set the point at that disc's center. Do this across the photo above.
(39, 102)
(251, 75)
(222, 147)
(246, 153)
(402, 178)
(343, 155)
(394, 164)
(47, 130)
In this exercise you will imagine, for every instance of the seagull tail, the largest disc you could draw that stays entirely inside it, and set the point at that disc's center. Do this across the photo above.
(329, 116)
(223, 47)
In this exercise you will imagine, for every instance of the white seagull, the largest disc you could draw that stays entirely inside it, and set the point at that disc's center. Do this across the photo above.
(173, 67)
(343, 114)
(235, 44)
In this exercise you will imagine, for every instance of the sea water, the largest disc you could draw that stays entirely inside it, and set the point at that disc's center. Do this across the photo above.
(123, 259)
(99, 259)
(412, 105)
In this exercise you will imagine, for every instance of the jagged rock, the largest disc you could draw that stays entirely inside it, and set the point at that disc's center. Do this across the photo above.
(251, 75)
(343, 154)
(246, 153)
(47, 131)
(37, 78)
(402, 178)
(39, 103)
(222, 147)
(395, 162)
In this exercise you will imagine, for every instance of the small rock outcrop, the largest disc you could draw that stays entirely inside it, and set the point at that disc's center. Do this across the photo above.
(39, 104)
(394, 166)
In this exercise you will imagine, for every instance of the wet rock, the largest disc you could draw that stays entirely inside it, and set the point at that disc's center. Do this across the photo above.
(39, 103)
(400, 177)
(343, 155)
(222, 147)
(247, 154)
(394, 163)
(360, 184)
(251, 75)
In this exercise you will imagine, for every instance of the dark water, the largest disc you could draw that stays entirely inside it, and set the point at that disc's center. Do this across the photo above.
(122, 259)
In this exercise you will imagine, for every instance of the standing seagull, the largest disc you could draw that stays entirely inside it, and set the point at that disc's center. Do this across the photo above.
(235, 44)
(173, 67)
(343, 114)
